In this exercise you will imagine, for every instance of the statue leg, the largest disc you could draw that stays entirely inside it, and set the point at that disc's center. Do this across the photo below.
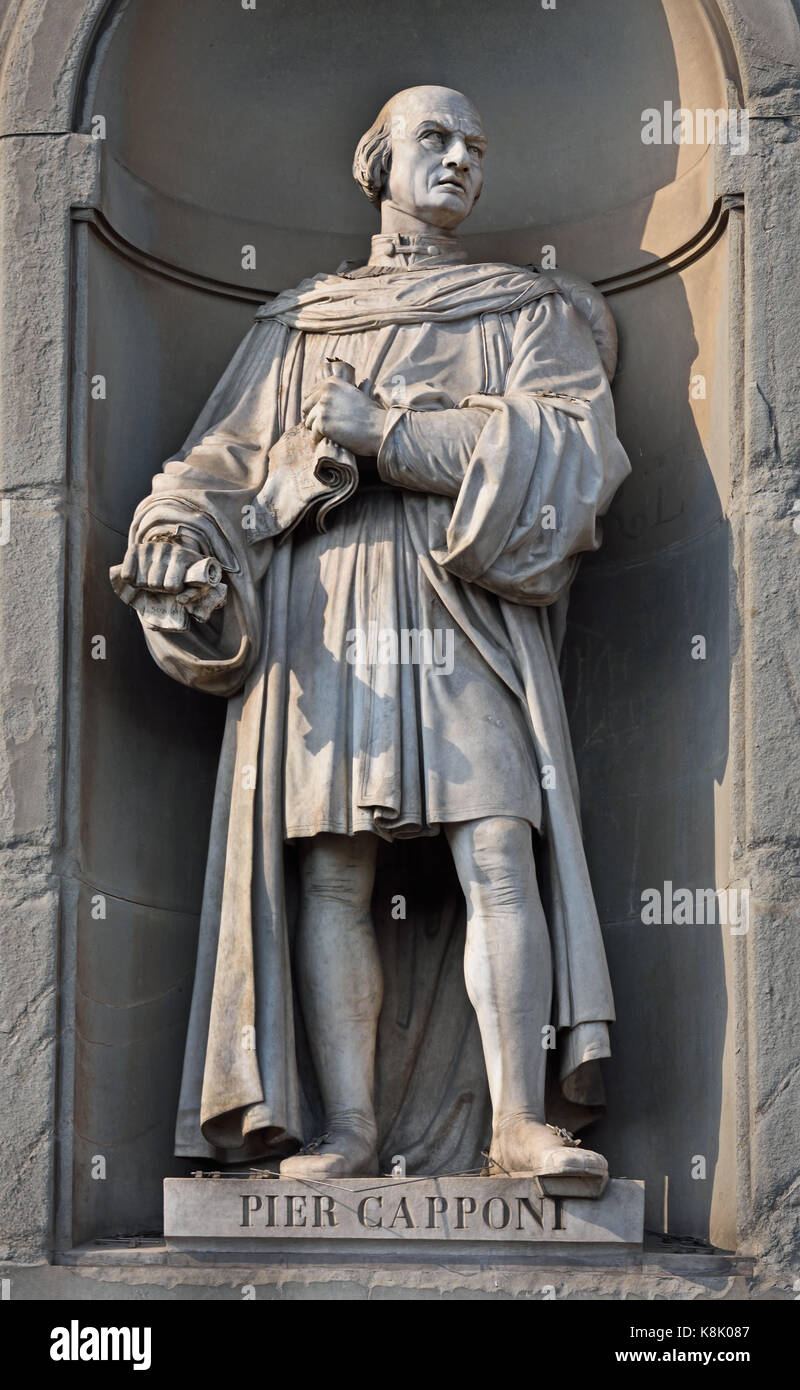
(509, 976)
(341, 989)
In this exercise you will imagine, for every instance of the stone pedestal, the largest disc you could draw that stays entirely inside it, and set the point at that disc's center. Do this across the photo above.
(239, 1212)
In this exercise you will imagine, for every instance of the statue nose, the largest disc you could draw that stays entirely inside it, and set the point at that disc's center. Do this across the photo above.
(456, 156)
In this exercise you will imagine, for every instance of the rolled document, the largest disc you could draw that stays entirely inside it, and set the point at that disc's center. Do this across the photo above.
(206, 571)
(303, 476)
(203, 593)
(335, 466)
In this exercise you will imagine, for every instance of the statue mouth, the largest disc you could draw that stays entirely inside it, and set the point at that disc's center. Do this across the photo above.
(452, 183)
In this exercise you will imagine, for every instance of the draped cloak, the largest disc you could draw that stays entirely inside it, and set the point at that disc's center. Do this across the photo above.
(502, 487)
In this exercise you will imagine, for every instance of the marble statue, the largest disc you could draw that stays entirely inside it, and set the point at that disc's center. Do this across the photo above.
(366, 544)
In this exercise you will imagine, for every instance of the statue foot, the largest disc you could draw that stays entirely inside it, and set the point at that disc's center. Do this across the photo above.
(526, 1148)
(343, 1152)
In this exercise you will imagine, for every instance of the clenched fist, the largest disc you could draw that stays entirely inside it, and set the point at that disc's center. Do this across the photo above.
(333, 409)
(158, 565)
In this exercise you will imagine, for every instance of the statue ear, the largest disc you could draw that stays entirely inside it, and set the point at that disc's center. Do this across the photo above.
(386, 164)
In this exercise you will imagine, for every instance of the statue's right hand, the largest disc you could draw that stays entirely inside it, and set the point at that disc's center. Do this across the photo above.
(158, 565)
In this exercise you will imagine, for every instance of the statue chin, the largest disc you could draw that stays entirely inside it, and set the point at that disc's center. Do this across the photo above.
(433, 219)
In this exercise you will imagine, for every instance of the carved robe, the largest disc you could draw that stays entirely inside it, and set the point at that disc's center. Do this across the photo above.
(499, 456)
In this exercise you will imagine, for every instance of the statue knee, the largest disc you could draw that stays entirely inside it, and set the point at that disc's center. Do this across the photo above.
(338, 872)
(497, 868)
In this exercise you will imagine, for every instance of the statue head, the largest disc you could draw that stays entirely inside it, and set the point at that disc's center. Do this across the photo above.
(424, 155)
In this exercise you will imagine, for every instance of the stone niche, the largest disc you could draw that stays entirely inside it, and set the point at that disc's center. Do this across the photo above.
(213, 143)
(228, 128)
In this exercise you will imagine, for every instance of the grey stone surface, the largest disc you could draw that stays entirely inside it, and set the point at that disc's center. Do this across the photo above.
(290, 1278)
(28, 927)
(389, 1210)
(132, 990)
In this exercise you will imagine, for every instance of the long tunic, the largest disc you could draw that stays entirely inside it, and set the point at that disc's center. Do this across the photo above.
(382, 734)
(500, 455)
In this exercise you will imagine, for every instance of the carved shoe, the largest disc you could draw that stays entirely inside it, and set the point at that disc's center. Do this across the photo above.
(551, 1156)
(341, 1153)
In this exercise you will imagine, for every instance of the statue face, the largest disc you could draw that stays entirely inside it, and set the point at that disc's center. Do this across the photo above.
(437, 154)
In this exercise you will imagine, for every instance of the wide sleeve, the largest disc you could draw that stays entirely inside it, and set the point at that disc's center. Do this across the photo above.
(208, 489)
(429, 450)
(545, 464)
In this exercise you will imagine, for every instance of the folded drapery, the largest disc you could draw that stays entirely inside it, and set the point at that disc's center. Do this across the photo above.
(516, 365)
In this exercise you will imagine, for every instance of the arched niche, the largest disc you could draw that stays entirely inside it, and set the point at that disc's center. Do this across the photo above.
(213, 144)
(195, 102)
(189, 181)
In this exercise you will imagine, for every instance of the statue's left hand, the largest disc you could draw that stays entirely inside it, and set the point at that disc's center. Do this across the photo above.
(334, 409)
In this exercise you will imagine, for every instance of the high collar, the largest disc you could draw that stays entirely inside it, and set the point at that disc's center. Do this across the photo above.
(398, 251)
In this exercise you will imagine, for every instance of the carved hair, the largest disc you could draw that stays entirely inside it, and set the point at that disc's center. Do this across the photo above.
(373, 157)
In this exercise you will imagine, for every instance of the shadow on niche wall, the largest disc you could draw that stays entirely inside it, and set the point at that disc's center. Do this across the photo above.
(650, 727)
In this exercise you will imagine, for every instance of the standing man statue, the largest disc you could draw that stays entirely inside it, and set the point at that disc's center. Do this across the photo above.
(470, 406)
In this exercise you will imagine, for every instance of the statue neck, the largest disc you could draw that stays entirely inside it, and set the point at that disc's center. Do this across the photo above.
(413, 250)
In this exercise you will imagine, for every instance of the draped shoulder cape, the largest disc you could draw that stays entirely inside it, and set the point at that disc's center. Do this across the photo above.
(544, 445)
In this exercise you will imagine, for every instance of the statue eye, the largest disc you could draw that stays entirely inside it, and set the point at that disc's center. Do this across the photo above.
(433, 137)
